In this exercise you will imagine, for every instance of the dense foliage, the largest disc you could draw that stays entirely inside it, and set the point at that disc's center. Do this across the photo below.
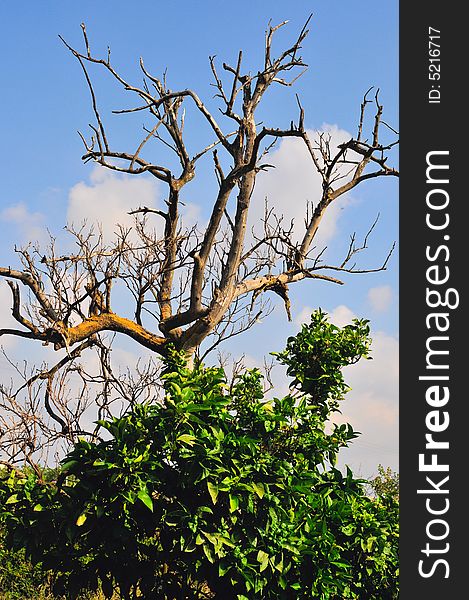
(218, 492)
(386, 483)
(19, 579)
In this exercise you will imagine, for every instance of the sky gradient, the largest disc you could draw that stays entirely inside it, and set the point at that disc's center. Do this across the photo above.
(351, 47)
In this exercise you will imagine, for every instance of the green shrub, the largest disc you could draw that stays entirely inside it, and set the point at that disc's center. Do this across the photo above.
(19, 579)
(218, 492)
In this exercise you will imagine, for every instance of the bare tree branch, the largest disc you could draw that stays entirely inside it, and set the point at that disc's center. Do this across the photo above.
(190, 287)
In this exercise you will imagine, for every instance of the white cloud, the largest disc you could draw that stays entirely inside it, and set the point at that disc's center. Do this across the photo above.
(341, 315)
(303, 316)
(372, 406)
(6, 319)
(294, 183)
(107, 200)
(380, 298)
(191, 214)
(30, 225)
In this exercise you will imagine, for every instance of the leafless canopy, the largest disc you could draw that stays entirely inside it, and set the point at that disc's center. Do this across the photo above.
(188, 283)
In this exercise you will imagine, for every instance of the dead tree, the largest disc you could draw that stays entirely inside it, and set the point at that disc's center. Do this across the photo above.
(188, 284)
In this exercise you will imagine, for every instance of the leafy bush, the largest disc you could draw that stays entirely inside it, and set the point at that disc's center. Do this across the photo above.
(218, 492)
(19, 579)
(386, 483)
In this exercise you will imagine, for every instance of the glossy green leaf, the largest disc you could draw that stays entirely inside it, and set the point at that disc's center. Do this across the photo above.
(208, 553)
(144, 497)
(187, 438)
(234, 503)
(263, 559)
(259, 489)
(213, 491)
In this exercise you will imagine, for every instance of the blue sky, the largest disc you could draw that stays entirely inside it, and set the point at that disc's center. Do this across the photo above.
(351, 46)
